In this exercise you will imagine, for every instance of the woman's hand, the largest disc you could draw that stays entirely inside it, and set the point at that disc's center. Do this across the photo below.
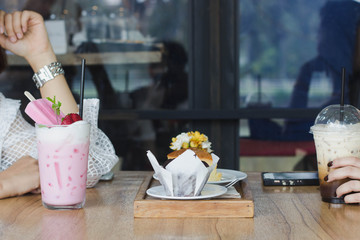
(24, 34)
(20, 178)
(343, 168)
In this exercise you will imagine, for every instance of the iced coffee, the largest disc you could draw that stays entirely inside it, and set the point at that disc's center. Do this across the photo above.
(336, 134)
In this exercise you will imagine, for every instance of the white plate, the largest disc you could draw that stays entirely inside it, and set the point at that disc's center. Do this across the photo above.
(227, 176)
(209, 191)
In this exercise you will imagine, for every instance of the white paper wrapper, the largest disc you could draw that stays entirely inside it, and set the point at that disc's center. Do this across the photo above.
(185, 176)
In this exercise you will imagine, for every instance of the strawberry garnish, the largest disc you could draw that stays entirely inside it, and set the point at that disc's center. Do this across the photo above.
(71, 118)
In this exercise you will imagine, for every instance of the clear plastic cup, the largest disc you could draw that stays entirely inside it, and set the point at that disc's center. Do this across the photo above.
(336, 134)
(63, 159)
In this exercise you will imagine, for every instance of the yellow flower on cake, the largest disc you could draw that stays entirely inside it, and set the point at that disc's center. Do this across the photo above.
(191, 140)
(199, 143)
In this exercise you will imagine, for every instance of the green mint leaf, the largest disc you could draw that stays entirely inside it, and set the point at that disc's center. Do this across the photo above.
(55, 105)
(53, 101)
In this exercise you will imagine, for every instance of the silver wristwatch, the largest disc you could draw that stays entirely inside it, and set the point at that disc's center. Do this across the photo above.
(47, 73)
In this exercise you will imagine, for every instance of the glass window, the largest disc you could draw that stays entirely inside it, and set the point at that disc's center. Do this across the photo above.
(137, 60)
(276, 39)
(291, 56)
(291, 53)
(252, 75)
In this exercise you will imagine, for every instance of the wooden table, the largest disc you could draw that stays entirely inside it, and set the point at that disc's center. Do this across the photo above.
(280, 213)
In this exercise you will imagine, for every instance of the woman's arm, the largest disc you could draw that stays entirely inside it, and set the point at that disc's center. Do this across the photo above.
(24, 34)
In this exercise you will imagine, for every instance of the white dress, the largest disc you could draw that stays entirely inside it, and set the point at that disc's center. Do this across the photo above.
(18, 139)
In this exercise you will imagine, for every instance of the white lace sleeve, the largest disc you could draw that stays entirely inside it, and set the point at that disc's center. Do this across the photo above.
(17, 136)
(17, 139)
(102, 157)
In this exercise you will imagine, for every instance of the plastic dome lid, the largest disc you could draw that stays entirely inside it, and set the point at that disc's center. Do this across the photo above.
(346, 115)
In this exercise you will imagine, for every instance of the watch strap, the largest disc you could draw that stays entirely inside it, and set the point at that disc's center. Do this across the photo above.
(47, 73)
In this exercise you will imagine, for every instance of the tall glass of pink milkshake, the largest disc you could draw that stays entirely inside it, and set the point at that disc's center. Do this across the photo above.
(63, 159)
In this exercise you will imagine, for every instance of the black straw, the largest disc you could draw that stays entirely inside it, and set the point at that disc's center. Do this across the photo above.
(82, 83)
(259, 87)
(342, 95)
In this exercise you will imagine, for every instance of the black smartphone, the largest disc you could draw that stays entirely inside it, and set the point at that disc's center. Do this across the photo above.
(290, 178)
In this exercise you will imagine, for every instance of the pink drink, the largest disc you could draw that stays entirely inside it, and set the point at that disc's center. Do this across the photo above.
(63, 158)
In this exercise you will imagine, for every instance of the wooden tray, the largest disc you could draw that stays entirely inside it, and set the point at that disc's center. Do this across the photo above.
(148, 207)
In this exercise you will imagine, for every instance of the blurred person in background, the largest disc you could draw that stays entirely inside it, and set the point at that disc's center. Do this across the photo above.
(168, 90)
